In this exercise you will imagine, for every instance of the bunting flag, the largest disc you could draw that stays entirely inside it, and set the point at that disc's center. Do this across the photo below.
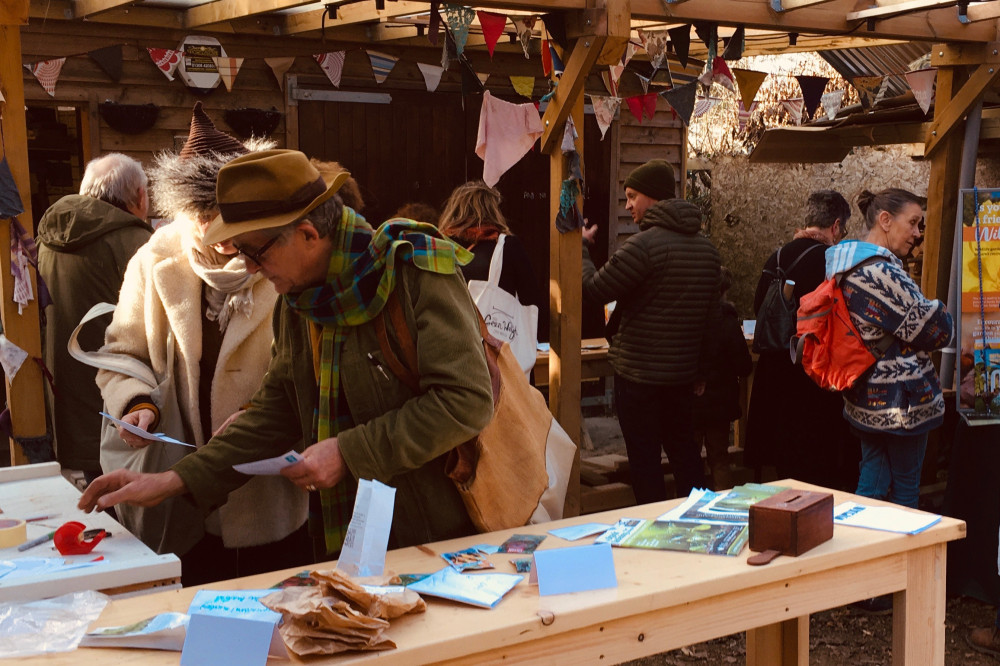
(278, 67)
(749, 82)
(794, 109)
(493, 25)
(831, 103)
(922, 82)
(47, 73)
(610, 81)
(432, 75)
(734, 49)
(649, 104)
(812, 90)
(10, 197)
(555, 27)
(568, 144)
(681, 100)
(11, 357)
(644, 81)
(546, 58)
(21, 250)
(482, 78)
(722, 75)
(655, 43)
(870, 89)
(109, 59)
(703, 105)
(709, 34)
(523, 85)
(524, 27)
(680, 38)
(228, 69)
(557, 63)
(743, 115)
(662, 78)
(459, 19)
(630, 50)
(605, 109)
(332, 64)
(166, 60)
(635, 106)
(382, 64)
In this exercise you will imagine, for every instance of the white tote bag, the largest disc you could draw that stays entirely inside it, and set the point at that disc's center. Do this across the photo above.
(508, 320)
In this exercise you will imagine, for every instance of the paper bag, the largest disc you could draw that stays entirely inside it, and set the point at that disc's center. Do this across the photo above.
(363, 553)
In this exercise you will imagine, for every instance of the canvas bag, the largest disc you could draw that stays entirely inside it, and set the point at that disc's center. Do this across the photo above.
(776, 318)
(508, 320)
(829, 347)
(176, 524)
(516, 471)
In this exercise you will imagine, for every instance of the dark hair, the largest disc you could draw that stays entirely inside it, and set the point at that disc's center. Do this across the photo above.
(891, 200)
(824, 207)
(418, 211)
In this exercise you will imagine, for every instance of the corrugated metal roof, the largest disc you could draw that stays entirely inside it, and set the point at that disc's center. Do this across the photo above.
(891, 60)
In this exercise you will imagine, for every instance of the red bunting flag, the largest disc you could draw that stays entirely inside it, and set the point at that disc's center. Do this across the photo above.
(493, 25)
(635, 105)
(546, 58)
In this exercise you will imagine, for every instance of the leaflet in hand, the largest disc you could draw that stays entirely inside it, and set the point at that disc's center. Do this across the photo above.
(139, 432)
(887, 518)
(270, 466)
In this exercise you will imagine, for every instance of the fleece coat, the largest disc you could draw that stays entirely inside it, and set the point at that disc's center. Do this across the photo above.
(161, 294)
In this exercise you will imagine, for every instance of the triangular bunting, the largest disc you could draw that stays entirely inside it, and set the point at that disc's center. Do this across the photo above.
(483, 78)
(605, 109)
(523, 85)
(709, 35)
(434, 26)
(228, 69)
(279, 66)
(166, 60)
(382, 64)
(812, 90)
(749, 82)
(655, 43)
(635, 106)
(681, 100)
(649, 104)
(794, 109)
(555, 26)
(870, 89)
(610, 80)
(662, 78)
(722, 75)
(831, 103)
(743, 115)
(493, 25)
(734, 49)
(109, 59)
(644, 81)
(557, 64)
(459, 19)
(680, 38)
(332, 64)
(703, 105)
(432, 75)
(10, 198)
(524, 26)
(47, 73)
(922, 82)
(546, 58)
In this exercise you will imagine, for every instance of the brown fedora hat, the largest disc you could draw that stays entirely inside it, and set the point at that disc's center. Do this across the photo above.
(267, 189)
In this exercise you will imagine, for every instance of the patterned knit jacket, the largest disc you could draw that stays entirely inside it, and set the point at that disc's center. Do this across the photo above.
(901, 393)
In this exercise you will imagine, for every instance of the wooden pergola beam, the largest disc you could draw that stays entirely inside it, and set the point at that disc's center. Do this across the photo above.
(983, 11)
(581, 60)
(362, 12)
(789, 5)
(227, 10)
(85, 8)
(958, 106)
(25, 392)
(895, 9)
(152, 17)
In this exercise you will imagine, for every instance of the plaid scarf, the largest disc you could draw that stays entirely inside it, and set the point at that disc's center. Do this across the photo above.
(360, 278)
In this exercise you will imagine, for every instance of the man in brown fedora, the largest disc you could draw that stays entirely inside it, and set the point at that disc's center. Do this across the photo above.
(328, 391)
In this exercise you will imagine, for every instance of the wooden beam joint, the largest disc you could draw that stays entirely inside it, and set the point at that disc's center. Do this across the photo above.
(953, 55)
(570, 87)
(959, 106)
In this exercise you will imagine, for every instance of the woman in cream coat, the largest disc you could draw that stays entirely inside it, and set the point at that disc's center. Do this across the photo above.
(220, 317)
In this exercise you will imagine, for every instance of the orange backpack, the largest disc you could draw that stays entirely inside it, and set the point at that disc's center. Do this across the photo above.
(829, 347)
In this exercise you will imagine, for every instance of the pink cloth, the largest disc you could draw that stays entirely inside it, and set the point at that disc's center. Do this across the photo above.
(506, 132)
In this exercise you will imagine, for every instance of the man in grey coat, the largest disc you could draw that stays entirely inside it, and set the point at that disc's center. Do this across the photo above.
(665, 280)
(85, 242)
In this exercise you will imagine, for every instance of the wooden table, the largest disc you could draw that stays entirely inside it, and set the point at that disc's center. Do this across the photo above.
(663, 601)
(129, 566)
(593, 362)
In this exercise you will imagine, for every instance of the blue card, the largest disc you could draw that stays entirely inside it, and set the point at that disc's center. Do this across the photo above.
(574, 532)
(575, 569)
(231, 627)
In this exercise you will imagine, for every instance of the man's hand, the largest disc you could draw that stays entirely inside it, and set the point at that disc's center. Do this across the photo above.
(699, 388)
(589, 233)
(142, 418)
(322, 466)
(130, 487)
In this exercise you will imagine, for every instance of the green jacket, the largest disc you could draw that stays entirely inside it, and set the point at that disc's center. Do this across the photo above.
(84, 245)
(400, 439)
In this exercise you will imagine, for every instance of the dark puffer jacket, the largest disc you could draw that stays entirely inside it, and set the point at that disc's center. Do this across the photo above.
(666, 282)
(84, 245)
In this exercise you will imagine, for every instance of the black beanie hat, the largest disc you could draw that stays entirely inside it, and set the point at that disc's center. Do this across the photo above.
(655, 179)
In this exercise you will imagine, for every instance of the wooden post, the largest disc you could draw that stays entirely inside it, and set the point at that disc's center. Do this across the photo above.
(25, 395)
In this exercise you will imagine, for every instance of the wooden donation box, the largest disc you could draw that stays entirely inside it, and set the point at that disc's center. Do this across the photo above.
(791, 522)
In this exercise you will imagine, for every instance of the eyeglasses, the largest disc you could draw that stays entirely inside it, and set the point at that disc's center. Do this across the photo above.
(258, 256)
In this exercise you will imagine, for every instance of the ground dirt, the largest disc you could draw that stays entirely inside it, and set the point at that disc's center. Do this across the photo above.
(837, 637)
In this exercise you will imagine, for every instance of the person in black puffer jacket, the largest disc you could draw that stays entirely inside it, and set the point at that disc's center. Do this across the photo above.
(665, 280)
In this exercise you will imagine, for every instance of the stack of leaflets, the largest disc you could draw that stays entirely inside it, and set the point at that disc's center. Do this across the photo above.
(706, 522)
(887, 518)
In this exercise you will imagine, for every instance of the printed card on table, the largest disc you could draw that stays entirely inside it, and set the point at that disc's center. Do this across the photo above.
(231, 627)
(574, 569)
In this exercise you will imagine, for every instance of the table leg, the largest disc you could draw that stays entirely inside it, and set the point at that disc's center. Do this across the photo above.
(918, 631)
(785, 643)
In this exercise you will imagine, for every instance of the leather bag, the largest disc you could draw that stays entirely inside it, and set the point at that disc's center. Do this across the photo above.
(175, 525)
(516, 471)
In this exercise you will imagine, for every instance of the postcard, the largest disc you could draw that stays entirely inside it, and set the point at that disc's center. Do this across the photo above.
(270, 466)
(483, 590)
(522, 543)
(467, 560)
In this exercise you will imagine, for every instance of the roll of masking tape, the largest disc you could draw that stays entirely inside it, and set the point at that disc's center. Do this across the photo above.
(13, 532)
